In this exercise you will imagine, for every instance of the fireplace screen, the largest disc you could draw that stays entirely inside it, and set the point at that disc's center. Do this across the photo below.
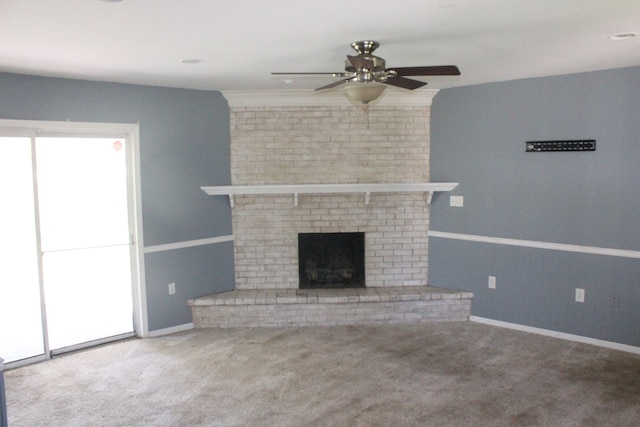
(331, 260)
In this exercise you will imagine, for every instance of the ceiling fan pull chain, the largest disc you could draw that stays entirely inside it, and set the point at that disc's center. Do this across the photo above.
(366, 113)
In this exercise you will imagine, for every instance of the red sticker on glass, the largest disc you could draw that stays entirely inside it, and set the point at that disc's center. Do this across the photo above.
(117, 145)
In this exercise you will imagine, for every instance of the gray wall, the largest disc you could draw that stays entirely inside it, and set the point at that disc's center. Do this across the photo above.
(577, 198)
(184, 144)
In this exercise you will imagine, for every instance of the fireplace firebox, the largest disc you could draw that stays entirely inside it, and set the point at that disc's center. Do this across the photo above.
(331, 260)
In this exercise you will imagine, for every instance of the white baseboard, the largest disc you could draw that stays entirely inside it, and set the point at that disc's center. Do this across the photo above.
(171, 330)
(555, 334)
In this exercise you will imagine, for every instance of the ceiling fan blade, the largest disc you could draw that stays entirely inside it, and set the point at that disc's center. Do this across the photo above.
(334, 84)
(359, 62)
(404, 83)
(435, 70)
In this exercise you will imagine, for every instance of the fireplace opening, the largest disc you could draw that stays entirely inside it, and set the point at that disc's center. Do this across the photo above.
(331, 260)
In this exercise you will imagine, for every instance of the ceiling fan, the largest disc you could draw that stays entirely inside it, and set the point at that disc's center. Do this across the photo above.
(368, 68)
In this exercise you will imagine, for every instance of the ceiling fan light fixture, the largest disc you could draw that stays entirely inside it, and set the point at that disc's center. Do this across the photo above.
(364, 93)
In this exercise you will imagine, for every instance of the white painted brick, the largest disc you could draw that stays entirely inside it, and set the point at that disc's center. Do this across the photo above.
(329, 145)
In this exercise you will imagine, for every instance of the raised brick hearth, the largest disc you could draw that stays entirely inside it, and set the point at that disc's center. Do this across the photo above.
(326, 307)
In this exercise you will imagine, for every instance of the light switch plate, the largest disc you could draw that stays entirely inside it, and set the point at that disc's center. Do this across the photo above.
(457, 201)
(492, 282)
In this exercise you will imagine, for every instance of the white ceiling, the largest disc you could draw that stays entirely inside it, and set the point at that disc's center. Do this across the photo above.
(242, 41)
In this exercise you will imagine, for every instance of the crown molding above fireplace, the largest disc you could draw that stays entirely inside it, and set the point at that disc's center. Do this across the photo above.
(310, 98)
(294, 189)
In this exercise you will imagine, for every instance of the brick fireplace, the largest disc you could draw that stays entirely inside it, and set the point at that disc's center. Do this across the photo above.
(330, 145)
(315, 140)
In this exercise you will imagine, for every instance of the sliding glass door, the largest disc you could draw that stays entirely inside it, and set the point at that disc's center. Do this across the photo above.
(69, 246)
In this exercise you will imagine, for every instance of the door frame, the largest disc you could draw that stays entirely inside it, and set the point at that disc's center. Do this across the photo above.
(130, 132)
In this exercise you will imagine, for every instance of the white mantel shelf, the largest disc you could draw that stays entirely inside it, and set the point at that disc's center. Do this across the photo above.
(423, 187)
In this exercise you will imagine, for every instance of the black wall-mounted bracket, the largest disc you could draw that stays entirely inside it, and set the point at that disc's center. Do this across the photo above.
(565, 145)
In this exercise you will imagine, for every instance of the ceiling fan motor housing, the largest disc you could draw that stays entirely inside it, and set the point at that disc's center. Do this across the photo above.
(378, 64)
(366, 66)
(371, 68)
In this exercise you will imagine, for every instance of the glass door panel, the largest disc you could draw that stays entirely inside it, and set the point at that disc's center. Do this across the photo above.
(82, 192)
(21, 330)
(84, 221)
(88, 294)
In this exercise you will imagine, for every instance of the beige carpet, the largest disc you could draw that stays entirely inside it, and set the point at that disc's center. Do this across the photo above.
(445, 374)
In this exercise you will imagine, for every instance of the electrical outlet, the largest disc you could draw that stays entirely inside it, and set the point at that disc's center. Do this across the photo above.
(172, 288)
(614, 300)
(579, 295)
(457, 201)
(492, 282)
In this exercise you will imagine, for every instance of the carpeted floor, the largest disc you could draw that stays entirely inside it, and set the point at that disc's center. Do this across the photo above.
(441, 374)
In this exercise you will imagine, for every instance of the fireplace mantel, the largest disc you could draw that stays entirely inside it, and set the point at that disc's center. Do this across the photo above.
(294, 189)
